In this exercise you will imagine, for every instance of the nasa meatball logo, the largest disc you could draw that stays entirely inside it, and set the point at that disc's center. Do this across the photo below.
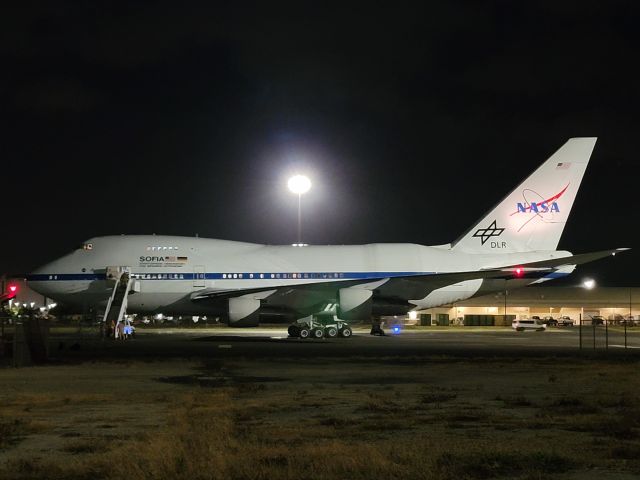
(538, 207)
(535, 203)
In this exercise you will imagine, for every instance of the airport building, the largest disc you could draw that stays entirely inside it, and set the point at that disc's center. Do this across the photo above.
(611, 303)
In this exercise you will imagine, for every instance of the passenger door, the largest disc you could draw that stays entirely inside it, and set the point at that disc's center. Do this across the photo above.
(198, 276)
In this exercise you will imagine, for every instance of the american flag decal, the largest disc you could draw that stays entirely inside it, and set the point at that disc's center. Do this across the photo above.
(563, 166)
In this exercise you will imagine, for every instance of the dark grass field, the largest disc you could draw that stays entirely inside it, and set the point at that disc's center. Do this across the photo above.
(211, 414)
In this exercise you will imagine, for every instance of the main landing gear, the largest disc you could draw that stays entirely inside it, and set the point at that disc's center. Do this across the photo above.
(376, 326)
(314, 327)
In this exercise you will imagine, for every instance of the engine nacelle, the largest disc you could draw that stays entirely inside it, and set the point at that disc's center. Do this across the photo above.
(354, 304)
(450, 294)
(244, 312)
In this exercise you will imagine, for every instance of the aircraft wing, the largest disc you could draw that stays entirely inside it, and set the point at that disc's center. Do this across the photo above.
(420, 286)
(433, 280)
(403, 287)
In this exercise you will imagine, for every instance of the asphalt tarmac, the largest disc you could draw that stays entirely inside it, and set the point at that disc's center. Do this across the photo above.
(464, 342)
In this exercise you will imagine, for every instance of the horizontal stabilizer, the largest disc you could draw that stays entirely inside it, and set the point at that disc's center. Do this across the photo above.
(570, 260)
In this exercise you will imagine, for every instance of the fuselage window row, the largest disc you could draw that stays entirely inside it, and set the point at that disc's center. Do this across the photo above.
(238, 276)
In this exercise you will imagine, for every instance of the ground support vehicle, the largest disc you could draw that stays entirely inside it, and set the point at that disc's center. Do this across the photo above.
(565, 321)
(320, 327)
(528, 324)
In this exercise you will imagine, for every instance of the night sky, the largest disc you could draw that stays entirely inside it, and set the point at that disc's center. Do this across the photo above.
(169, 119)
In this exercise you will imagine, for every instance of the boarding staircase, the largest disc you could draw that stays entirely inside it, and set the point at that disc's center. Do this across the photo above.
(117, 304)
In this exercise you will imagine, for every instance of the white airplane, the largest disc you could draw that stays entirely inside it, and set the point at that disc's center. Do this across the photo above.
(513, 246)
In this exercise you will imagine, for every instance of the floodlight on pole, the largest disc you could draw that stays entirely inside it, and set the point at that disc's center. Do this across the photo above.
(299, 184)
(587, 283)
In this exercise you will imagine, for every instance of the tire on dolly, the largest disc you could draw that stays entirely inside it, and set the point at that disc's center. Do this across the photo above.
(304, 333)
(346, 332)
(331, 332)
(294, 331)
(317, 333)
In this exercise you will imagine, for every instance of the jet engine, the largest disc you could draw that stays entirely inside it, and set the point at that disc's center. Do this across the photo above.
(244, 312)
(354, 304)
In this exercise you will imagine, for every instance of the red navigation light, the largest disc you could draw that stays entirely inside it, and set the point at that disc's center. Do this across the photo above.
(9, 294)
(519, 272)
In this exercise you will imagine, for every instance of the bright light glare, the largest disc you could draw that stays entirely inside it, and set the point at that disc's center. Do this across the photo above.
(12, 288)
(299, 184)
(589, 283)
(413, 315)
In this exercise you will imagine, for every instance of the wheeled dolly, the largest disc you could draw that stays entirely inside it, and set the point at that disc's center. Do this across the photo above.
(315, 327)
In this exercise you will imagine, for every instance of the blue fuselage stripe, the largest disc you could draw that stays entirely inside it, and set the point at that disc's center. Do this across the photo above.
(242, 276)
(40, 277)
(227, 276)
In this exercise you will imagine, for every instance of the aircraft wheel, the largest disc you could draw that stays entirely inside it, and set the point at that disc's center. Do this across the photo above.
(317, 333)
(294, 331)
(331, 332)
(304, 333)
(346, 332)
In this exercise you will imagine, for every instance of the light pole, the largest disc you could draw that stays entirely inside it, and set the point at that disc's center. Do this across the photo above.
(299, 184)
(628, 320)
(587, 283)
(505, 301)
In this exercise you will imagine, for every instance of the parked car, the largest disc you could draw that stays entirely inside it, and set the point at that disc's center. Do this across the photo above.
(533, 323)
(616, 319)
(565, 321)
(597, 320)
(549, 321)
(629, 321)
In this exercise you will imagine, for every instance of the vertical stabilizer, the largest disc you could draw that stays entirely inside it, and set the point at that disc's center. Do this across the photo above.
(533, 216)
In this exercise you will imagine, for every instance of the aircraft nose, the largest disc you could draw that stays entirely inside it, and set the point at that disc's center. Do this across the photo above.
(55, 267)
(40, 278)
(47, 268)
(47, 279)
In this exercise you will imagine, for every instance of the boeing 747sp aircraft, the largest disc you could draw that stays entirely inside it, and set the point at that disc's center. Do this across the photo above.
(513, 246)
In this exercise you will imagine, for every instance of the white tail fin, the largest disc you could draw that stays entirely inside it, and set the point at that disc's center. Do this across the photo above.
(533, 215)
